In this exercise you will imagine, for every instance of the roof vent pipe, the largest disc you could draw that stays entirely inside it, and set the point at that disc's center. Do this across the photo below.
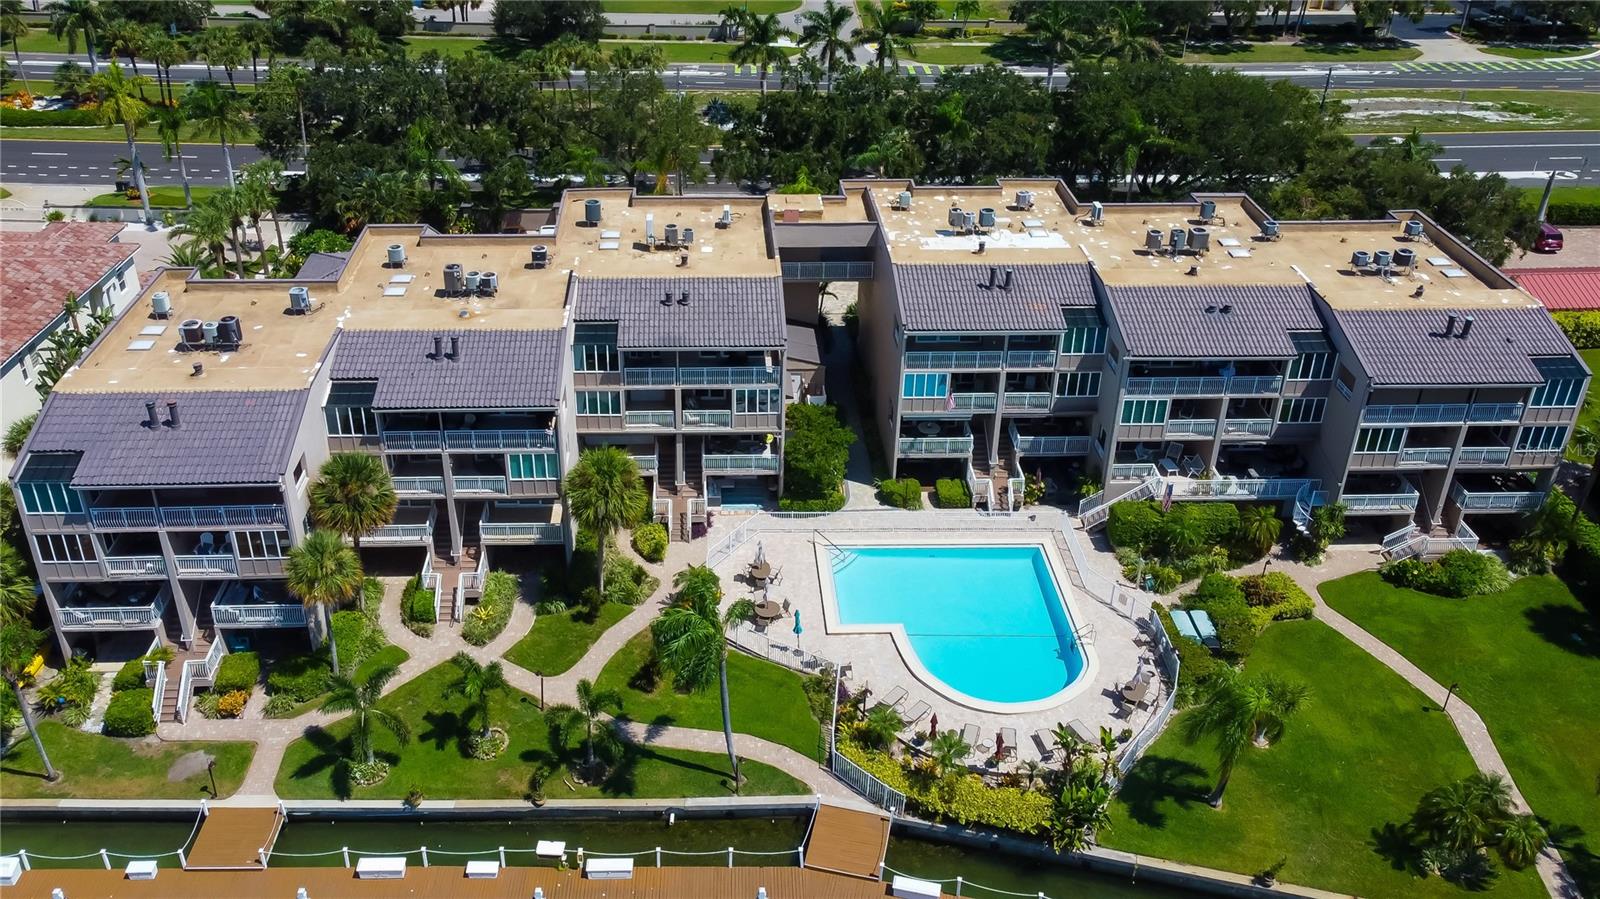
(1449, 325)
(150, 413)
(199, 369)
(683, 298)
(1466, 327)
(438, 348)
(667, 300)
(1007, 284)
(172, 413)
(455, 348)
(994, 275)
(1227, 309)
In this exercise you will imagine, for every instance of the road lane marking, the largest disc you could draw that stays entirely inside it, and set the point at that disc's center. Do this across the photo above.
(40, 153)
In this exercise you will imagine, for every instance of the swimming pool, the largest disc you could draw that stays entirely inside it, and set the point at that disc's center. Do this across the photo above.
(988, 622)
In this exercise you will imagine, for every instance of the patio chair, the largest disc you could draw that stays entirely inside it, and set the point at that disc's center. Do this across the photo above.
(1168, 463)
(969, 736)
(1045, 740)
(1205, 628)
(1185, 626)
(892, 699)
(1193, 465)
(1009, 736)
(917, 713)
(1143, 453)
(1136, 693)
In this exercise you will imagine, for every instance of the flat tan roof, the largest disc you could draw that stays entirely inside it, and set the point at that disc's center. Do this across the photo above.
(617, 247)
(922, 234)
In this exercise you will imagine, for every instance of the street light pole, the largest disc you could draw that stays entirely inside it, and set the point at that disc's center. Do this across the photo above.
(211, 769)
(1449, 693)
(1326, 85)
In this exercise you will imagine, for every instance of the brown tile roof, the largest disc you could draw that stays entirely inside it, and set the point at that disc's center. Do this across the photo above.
(38, 269)
(1213, 321)
(1405, 347)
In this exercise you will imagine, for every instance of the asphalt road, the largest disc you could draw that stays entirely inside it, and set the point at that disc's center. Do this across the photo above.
(95, 162)
(1524, 157)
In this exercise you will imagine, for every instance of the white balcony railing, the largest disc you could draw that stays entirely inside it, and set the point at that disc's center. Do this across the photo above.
(1132, 471)
(1191, 427)
(520, 530)
(1031, 359)
(479, 484)
(935, 446)
(423, 485)
(1495, 500)
(728, 376)
(1426, 455)
(737, 462)
(1484, 455)
(973, 402)
(108, 617)
(647, 462)
(222, 516)
(278, 614)
(1380, 502)
(1426, 413)
(518, 438)
(1240, 488)
(406, 441)
(1035, 400)
(1052, 446)
(954, 360)
(135, 566)
(1254, 385)
(658, 376)
(836, 270)
(1193, 386)
(215, 563)
(1494, 412)
(659, 419)
(1247, 427)
(125, 517)
(707, 418)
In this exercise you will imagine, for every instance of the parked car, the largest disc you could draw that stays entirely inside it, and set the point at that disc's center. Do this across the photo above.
(1549, 239)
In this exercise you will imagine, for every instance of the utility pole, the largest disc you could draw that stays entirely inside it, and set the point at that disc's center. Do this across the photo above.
(1466, 8)
(1323, 107)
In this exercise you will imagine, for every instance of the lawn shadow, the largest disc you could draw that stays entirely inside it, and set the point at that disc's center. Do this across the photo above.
(13, 749)
(1395, 844)
(1582, 862)
(1572, 628)
(1156, 779)
(444, 727)
(333, 755)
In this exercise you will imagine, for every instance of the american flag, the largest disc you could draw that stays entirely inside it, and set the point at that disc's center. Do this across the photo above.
(1166, 500)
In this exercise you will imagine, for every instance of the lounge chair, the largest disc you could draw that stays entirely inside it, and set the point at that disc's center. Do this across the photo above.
(1185, 625)
(1009, 736)
(892, 699)
(1046, 741)
(1136, 692)
(969, 736)
(1142, 453)
(917, 712)
(1082, 731)
(1205, 628)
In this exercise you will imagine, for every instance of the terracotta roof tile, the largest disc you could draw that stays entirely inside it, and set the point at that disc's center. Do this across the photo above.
(1561, 288)
(38, 269)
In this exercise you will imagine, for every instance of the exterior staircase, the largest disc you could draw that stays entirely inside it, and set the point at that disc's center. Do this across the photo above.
(997, 474)
(169, 693)
(679, 496)
(450, 576)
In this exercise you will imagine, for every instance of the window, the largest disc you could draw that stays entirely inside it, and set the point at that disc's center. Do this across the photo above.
(1082, 341)
(351, 421)
(1559, 392)
(599, 402)
(65, 547)
(1144, 412)
(300, 472)
(49, 498)
(764, 400)
(27, 373)
(1311, 367)
(922, 386)
(261, 544)
(1085, 383)
(1113, 357)
(532, 466)
(1542, 439)
(1380, 440)
(945, 338)
(594, 357)
(1302, 410)
(1346, 381)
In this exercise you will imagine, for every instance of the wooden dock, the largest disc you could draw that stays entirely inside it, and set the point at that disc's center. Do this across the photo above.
(231, 839)
(845, 841)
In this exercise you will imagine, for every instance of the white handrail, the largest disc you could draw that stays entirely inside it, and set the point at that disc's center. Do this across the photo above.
(160, 688)
(195, 669)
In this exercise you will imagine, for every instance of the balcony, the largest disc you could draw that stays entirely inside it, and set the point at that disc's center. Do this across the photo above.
(411, 441)
(419, 486)
(223, 516)
(728, 377)
(661, 418)
(1426, 456)
(1367, 495)
(648, 463)
(1254, 385)
(973, 402)
(515, 439)
(135, 566)
(1028, 401)
(1495, 456)
(1494, 413)
(209, 565)
(125, 517)
(1248, 427)
(474, 483)
(1052, 446)
(1191, 427)
(1132, 471)
(508, 523)
(1229, 487)
(1193, 386)
(706, 418)
(841, 270)
(139, 608)
(412, 524)
(272, 614)
(936, 446)
(1031, 359)
(1491, 494)
(657, 376)
(740, 463)
(955, 361)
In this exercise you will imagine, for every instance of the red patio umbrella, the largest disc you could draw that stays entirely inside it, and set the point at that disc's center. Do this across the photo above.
(933, 724)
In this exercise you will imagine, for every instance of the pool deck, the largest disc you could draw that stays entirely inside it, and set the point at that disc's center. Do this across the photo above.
(875, 661)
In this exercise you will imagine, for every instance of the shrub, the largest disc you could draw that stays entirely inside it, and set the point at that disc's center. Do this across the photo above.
(1581, 566)
(902, 493)
(650, 541)
(129, 677)
(238, 671)
(24, 118)
(965, 798)
(816, 451)
(1582, 328)
(280, 705)
(1216, 590)
(371, 597)
(1212, 524)
(1133, 524)
(416, 607)
(73, 688)
(1573, 212)
(301, 677)
(1163, 578)
(488, 618)
(627, 581)
(231, 705)
(1236, 631)
(129, 714)
(1198, 669)
(831, 503)
(357, 638)
(950, 493)
(206, 704)
(1277, 592)
(1459, 573)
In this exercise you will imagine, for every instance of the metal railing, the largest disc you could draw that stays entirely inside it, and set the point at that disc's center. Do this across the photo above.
(1249, 385)
(479, 484)
(273, 614)
(522, 438)
(1052, 446)
(1192, 386)
(979, 402)
(827, 271)
(1425, 455)
(1251, 427)
(541, 532)
(739, 462)
(1031, 358)
(134, 565)
(706, 418)
(734, 376)
(954, 360)
(125, 517)
(432, 581)
(411, 440)
(400, 533)
(216, 563)
(1495, 501)
(1034, 400)
(1167, 654)
(193, 670)
(658, 419)
(115, 616)
(935, 446)
(1426, 413)
(1132, 471)
(647, 463)
(1494, 412)
(1191, 427)
(419, 484)
(1231, 487)
(159, 685)
(1484, 455)
(1380, 502)
(1098, 514)
(222, 516)
(651, 376)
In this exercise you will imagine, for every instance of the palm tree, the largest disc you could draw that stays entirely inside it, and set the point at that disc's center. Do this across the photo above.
(257, 39)
(169, 124)
(120, 106)
(759, 48)
(1521, 839)
(362, 699)
(164, 54)
(324, 573)
(690, 639)
(893, 155)
(17, 434)
(881, 726)
(262, 180)
(227, 51)
(208, 224)
(12, 27)
(478, 685)
(17, 594)
(217, 113)
(1051, 25)
(592, 705)
(129, 39)
(965, 10)
(1128, 34)
(1259, 527)
(71, 19)
(188, 255)
(352, 495)
(948, 751)
(1240, 712)
(1136, 137)
(1586, 442)
(18, 643)
(882, 23)
(70, 79)
(1466, 813)
(822, 31)
(731, 19)
(604, 492)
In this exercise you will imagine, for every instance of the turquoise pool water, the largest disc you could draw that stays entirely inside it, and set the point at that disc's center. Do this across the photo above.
(986, 620)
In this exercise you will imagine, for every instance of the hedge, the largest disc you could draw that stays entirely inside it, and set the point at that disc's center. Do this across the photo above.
(238, 671)
(1136, 524)
(1133, 524)
(489, 617)
(129, 677)
(902, 493)
(1582, 328)
(1278, 593)
(968, 801)
(1458, 574)
(301, 677)
(416, 603)
(1573, 212)
(129, 714)
(23, 118)
(357, 638)
(950, 493)
(650, 541)
(831, 503)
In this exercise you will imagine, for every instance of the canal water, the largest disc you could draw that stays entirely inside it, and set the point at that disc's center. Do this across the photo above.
(307, 841)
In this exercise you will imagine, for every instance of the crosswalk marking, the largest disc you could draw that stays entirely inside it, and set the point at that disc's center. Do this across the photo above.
(1520, 65)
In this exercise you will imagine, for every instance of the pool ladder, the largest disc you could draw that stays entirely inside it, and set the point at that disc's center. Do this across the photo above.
(1083, 634)
(835, 551)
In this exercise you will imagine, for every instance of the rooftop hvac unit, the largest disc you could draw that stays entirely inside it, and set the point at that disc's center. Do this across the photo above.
(727, 216)
(472, 280)
(488, 283)
(1360, 259)
(453, 279)
(650, 229)
(161, 304)
(1269, 229)
(1413, 228)
(1199, 240)
(904, 200)
(591, 212)
(230, 330)
(688, 236)
(672, 235)
(1383, 259)
(211, 329)
(397, 255)
(986, 217)
(1152, 239)
(1097, 212)
(1024, 199)
(969, 221)
(1180, 240)
(1208, 209)
(191, 333)
(541, 256)
(299, 300)
(1405, 257)
(955, 218)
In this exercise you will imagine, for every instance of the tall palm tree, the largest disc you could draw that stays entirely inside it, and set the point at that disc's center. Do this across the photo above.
(169, 125)
(478, 684)
(604, 493)
(188, 255)
(892, 155)
(883, 23)
(1239, 712)
(130, 39)
(217, 113)
(121, 105)
(208, 223)
(352, 495)
(262, 180)
(759, 48)
(17, 594)
(12, 27)
(324, 573)
(18, 643)
(72, 19)
(822, 32)
(731, 19)
(229, 52)
(258, 39)
(948, 751)
(164, 54)
(592, 706)
(1128, 34)
(1137, 137)
(1051, 26)
(1259, 527)
(362, 699)
(690, 639)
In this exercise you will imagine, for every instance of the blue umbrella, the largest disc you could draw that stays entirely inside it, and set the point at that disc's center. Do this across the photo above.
(797, 629)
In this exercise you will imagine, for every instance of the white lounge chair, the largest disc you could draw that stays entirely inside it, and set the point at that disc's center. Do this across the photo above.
(917, 712)
(892, 699)
(969, 736)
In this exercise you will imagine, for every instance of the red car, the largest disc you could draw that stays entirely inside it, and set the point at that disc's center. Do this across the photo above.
(1549, 239)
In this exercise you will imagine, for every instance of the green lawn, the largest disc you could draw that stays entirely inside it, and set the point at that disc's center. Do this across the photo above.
(166, 196)
(671, 51)
(1528, 660)
(40, 40)
(556, 642)
(388, 655)
(1275, 52)
(697, 7)
(766, 700)
(689, 51)
(4, 194)
(436, 763)
(987, 9)
(1533, 52)
(112, 133)
(1356, 759)
(1535, 111)
(96, 767)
